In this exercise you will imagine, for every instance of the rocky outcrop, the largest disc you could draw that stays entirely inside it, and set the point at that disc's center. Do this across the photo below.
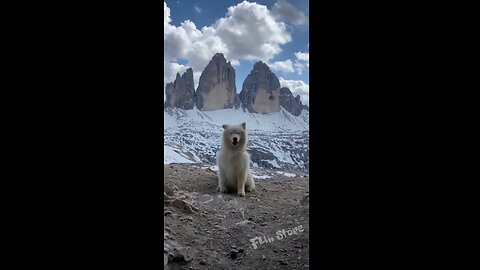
(261, 90)
(181, 93)
(216, 88)
(290, 103)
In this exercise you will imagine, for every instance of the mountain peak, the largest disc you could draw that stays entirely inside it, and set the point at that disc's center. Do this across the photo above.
(292, 104)
(261, 65)
(218, 56)
(261, 90)
(216, 87)
(180, 93)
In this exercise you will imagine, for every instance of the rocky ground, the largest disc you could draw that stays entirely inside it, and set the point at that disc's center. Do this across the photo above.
(205, 229)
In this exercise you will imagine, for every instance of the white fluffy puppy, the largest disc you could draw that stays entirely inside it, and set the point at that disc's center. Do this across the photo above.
(233, 161)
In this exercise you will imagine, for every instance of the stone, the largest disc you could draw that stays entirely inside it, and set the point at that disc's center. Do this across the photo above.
(181, 92)
(261, 90)
(292, 104)
(184, 206)
(216, 87)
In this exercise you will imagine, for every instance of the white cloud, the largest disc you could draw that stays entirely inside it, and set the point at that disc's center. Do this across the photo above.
(298, 88)
(170, 71)
(302, 62)
(302, 56)
(285, 66)
(166, 15)
(251, 32)
(197, 8)
(235, 63)
(189, 43)
(284, 11)
(299, 67)
(175, 41)
(248, 31)
(196, 78)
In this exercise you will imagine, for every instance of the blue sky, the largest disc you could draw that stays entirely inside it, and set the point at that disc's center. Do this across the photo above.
(274, 31)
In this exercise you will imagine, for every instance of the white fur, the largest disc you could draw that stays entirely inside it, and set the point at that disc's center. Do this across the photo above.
(233, 161)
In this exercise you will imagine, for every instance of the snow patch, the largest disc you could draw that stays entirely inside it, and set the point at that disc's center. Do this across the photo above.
(214, 168)
(286, 174)
(274, 163)
(173, 155)
(260, 176)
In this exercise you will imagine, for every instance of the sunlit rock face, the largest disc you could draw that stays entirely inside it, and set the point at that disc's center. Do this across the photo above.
(261, 90)
(216, 88)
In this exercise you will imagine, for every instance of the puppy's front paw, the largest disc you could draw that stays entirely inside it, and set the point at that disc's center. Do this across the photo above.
(241, 193)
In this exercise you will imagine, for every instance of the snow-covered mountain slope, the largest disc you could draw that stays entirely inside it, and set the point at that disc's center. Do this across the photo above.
(276, 140)
(274, 122)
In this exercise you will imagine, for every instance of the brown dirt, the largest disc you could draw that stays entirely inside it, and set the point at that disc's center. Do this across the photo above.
(206, 229)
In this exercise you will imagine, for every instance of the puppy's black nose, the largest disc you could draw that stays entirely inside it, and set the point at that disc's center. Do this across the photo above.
(234, 139)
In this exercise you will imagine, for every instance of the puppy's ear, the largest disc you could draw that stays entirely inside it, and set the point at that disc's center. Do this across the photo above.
(224, 126)
(244, 125)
